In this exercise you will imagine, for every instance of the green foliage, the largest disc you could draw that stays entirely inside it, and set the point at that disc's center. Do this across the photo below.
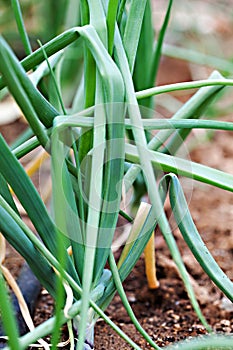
(90, 149)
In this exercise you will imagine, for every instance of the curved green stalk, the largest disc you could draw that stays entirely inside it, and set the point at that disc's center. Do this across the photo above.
(195, 106)
(183, 86)
(114, 92)
(53, 79)
(120, 289)
(51, 47)
(77, 120)
(191, 236)
(26, 147)
(184, 167)
(35, 107)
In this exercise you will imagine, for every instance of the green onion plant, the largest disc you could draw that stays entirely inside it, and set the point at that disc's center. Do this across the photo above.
(90, 87)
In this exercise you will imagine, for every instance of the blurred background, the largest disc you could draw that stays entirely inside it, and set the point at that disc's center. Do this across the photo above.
(199, 39)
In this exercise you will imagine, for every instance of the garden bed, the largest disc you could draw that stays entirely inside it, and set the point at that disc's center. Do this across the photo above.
(166, 313)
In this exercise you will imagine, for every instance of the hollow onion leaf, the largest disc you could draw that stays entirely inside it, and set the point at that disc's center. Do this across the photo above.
(18, 91)
(121, 292)
(113, 92)
(192, 237)
(16, 237)
(64, 205)
(78, 120)
(42, 70)
(15, 175)
(53, 46)
(194, 107)
(13, 72)
(184, 167)
(111, 20)
(6, 194)
(133, 30)
(94, 211)
(144, 57)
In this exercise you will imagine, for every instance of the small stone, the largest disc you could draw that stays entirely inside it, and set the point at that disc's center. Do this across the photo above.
(177, 326)
(176, 317)
(132, 298)
(225, 323)
(226, 304)
(188, 307)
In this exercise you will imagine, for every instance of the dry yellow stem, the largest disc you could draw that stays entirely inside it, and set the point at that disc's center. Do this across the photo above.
(149, 252)
(32, 167)
(22, 304)
(36, 162)
(136, 227)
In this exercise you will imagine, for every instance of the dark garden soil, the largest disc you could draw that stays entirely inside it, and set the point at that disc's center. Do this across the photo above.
(166, 313)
